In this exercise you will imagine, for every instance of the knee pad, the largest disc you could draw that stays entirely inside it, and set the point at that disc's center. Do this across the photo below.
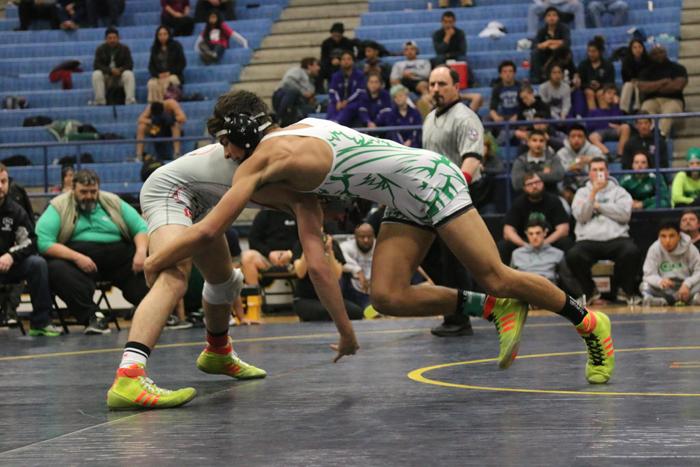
(224, 293)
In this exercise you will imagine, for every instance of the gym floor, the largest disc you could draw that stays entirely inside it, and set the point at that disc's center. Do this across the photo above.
(407, 398)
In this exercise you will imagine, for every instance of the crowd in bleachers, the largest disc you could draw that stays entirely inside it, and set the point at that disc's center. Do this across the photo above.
(154, 64)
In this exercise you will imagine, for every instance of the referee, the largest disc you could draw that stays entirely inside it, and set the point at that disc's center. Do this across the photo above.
(454, 130)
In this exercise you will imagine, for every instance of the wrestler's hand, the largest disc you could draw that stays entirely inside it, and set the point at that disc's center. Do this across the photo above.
(347, 345)
(149, 271)
(137, 262)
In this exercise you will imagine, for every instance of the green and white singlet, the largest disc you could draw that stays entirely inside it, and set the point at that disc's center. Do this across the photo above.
(416, 185)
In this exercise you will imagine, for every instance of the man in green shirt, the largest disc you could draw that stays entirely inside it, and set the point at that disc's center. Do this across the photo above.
(685, 190)
(89, 235)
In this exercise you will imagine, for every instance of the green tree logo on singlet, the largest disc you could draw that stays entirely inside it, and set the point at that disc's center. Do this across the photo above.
(441, 179)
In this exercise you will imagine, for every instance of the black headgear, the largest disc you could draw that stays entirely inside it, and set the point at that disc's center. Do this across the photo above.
(243, 130)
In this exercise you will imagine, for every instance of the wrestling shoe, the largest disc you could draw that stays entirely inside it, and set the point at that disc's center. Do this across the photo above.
(224, 361)
(508, 315)
(596, 332)
(132, 389)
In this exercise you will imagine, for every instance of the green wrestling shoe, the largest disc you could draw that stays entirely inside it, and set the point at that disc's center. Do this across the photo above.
(508, 315)
(226, 362)
(132, 389)
(596, 332)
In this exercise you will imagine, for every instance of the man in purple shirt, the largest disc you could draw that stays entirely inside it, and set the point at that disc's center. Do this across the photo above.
(344, 91)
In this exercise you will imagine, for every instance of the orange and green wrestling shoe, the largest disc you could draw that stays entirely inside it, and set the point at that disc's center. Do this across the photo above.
(596, 332)
(508, 315)
(223, 361)
(132, 389)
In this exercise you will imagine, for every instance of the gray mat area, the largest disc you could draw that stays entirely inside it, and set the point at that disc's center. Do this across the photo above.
(365, 410)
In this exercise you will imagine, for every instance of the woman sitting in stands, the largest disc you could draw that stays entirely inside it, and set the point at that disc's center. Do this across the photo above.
(166, 65)
(213, 41)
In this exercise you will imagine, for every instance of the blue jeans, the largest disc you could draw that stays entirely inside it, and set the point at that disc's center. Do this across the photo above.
(34, 270)
(617, 8)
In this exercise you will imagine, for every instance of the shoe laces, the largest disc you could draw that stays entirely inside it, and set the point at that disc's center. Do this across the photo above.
(151, 387)
(595, 349)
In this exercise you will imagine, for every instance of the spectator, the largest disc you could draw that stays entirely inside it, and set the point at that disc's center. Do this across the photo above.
(175, 15)
(530, 104)
(609, 131)
(617, 8)
(541, 7)
(595, 72)
(539, 159)
(67, 172)
(19, 259)
(685, 190)
(272, 237)
(296, 97)
(402, 114)
(413, 73)
(111, 9)
(671, 270)
(373, 102)
(331, 50)
(19, 195)
(306, 302)
(530, 108)
(690, 225)
(449, 42)
(69, 14)
(90, 235)
(634, 62)
(602, 210)
(534, 201)
(214, 40)
(661, 85)
(554, 139)
(166, 65)
(556, 93)
(551, 44)
(483, 190)
(642, 186)
(358, 252)
(161, 120)
(642, 140)
(372, 63)
(576, 154)
(345, 91)
(539, 257)
(113, 69)
(504, 94)
(227, 8)
(30, 10)
(455, 131)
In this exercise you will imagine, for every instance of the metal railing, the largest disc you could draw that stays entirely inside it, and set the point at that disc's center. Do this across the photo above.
(507, 126)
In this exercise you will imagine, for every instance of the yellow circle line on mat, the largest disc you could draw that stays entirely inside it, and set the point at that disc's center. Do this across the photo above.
(417, 375)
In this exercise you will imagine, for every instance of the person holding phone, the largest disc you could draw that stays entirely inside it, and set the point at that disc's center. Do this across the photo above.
(602, 209)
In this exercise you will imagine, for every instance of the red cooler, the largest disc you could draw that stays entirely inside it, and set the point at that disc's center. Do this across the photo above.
(462, 69)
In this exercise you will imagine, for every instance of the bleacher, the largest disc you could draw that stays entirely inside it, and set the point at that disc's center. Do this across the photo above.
(27, 57)
(393, 22)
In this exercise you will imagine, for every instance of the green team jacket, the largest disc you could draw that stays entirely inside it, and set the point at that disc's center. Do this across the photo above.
(644, 189)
